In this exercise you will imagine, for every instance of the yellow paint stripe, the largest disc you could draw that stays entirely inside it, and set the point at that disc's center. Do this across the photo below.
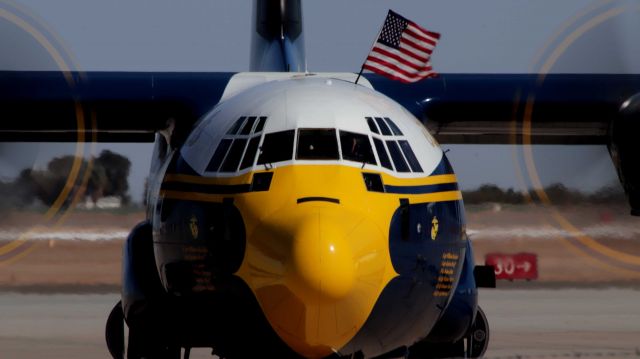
(193, 196)
(413, 198)
(246, 179)
(434, 197)
(242, 179)
(422, 181)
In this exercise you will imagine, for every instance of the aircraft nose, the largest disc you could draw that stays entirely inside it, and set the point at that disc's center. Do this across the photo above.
(321, 266)
(317, 270)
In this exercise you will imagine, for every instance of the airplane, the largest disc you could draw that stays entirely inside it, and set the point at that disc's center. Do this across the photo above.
(295, 214)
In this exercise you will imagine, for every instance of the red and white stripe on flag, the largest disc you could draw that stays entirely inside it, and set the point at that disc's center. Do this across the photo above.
(403, 50)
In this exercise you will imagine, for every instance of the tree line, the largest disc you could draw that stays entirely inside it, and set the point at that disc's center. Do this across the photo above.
(108, 176)
(557, 193)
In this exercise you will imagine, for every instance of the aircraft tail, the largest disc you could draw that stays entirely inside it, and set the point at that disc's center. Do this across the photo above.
(277, 38)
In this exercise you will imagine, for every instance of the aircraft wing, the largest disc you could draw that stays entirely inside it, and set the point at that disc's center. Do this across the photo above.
(102, 106)
(457, 108)
(502, 108)
(532, 109)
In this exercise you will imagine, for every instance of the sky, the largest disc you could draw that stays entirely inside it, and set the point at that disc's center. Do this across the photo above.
(489, 36)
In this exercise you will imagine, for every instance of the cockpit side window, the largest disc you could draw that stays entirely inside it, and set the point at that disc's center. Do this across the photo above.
(229, 153)
(276, 147)
(356, 147)
(236, 126)
(250, 154)
(400, 155)
(372, 125)
(394, 128)
(260, 124)
(383, 126)
(410, 156)
(232, 161)
(382, 154)
(317, 144)
(396, 155)
(219, 155)
(248, 126)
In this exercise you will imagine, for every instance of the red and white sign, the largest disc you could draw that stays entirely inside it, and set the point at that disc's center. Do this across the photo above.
(513, 266)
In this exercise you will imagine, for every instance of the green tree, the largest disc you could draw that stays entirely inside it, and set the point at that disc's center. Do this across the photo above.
(116, 170)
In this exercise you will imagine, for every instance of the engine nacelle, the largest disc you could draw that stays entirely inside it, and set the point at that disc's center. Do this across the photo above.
(624, 149)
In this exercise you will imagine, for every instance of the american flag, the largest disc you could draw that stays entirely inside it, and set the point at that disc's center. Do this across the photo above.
(402, 51)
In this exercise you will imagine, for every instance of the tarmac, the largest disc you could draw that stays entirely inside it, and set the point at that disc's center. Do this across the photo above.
(525, 323)
(563, 323)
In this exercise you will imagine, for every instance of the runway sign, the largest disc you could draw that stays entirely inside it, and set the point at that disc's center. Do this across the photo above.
(514, 266)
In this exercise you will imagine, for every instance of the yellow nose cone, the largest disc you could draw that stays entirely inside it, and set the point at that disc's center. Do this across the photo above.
(321, 266)
(317, 270)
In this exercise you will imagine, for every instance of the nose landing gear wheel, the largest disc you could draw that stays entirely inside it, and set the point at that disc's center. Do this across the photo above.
(478, 337)
(114, 332)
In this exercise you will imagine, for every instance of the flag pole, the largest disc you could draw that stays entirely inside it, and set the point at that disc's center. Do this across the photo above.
(359, 74)
(371, 48)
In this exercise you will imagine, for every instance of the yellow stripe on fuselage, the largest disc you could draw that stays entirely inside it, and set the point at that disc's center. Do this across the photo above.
(433, 197)
(246, 179)
(217, 198)
(420, 181)
(194, 196)
(242, 179)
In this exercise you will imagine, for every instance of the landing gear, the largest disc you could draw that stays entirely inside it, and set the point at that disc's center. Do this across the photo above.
(478, 337)
(143, 344)
(473, 345)
(140, 343)
(114, 332)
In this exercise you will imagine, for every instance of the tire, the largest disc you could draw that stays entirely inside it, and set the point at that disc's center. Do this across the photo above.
(478, 337)
(114, 332)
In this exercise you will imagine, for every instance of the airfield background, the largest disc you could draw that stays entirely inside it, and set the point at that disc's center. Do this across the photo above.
(82, 254)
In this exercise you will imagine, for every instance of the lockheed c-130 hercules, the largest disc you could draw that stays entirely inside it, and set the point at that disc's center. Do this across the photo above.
(297, 214)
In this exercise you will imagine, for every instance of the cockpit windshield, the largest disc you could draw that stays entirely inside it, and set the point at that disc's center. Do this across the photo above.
(356, 147)
(276, 147)
(317, 144)
(385, 145)
(387, 136)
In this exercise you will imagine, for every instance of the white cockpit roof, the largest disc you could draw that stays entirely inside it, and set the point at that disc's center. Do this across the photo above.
(308, 103)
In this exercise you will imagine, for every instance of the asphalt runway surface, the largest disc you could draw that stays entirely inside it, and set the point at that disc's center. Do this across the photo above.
(525, 323)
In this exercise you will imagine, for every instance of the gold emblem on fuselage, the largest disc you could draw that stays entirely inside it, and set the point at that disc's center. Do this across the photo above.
(434, 228)
(193, 225)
